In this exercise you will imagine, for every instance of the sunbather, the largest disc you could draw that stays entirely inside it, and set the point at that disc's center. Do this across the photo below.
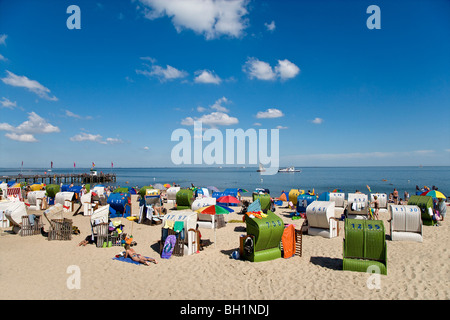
(138, 257)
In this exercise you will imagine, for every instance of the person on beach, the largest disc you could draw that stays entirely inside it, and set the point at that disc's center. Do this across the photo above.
(395, 195)
(137, 257)
(442, 208)
(88, 240)
(83, 190)
(376, 207)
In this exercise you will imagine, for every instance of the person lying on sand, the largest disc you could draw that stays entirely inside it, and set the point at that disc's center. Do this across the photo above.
(138, 257)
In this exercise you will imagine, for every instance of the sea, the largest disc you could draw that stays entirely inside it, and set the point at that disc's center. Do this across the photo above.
(320, 179)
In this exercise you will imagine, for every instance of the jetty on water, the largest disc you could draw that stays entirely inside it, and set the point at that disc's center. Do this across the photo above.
(62, 178)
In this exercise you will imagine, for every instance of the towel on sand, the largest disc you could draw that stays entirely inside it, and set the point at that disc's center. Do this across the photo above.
(129, 260)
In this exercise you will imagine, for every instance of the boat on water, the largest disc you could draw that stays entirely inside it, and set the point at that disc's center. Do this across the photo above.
(289, 169)
(261, 168)
(93, 172)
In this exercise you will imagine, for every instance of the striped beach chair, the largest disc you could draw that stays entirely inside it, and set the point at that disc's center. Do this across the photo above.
(14, 194)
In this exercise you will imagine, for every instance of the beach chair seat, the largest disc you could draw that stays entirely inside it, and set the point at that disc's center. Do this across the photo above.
(358, 206)
(406, 223)
(151, 211)
(210, 221)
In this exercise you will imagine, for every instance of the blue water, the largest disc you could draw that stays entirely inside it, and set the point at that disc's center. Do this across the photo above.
(320, 179)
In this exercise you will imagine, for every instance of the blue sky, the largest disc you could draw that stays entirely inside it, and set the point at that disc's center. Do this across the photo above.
(116, 89)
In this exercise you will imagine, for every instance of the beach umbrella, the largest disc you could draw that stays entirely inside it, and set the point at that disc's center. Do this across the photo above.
(159, 186)
(212, 188)
(213, 210)
(242, 190)
(337, 190)
(228, 199)
(167, 185)
(435, 194)
(224, 206)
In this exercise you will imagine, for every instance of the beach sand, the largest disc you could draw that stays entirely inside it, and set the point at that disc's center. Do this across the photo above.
(34, 268)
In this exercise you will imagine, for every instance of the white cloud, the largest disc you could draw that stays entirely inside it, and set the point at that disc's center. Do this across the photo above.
(3, 39)
(317, 121)
(114, 140)
(32, 85)
(206, 76)
(257, 124)
(2, 58)
(6, 103)
(25, 131)
(286, 69)
(146, 148)
(213, 119)
(94, 138)
(164, 74)
(270, 26)
(76, 116)
(212, 18)
(269, 113)
(259, 69)
(263, 71)
(281, 127)
(21, 137)
(218, 105)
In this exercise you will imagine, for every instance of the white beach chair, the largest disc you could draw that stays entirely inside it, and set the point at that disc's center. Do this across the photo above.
(321, 219)
(406, 223)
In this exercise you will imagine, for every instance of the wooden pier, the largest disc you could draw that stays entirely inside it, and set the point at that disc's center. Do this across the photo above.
(62, 178)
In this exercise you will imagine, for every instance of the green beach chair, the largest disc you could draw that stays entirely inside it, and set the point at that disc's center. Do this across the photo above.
(184, 199)
(364, 246)
(424, 203)
(265, 235)
(264, 199)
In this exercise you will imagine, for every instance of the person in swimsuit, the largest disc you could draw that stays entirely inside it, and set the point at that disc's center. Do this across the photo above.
(137, 257)
(395, 193)
(376, 206)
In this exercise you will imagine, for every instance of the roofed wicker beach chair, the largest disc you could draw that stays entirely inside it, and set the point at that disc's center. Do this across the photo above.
(365, 246)
(321, 220)
(406, 223)
(425, 203)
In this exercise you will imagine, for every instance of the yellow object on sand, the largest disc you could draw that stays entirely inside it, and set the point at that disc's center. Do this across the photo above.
(132, 218)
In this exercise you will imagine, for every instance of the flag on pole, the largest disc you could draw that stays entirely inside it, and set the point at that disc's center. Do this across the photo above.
(112, 165)
(51, 164)
(93, 164)
(74, 164)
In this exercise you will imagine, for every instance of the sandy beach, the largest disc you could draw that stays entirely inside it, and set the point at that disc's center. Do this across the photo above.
(34, 268)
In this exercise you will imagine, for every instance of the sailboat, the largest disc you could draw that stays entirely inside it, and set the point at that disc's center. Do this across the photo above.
(261, 168)
(289, 169)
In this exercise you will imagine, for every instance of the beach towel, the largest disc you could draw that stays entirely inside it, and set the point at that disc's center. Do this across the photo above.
(168, 247)
(255, 206)
(178, 226)
(129, 260)
(169, 224)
